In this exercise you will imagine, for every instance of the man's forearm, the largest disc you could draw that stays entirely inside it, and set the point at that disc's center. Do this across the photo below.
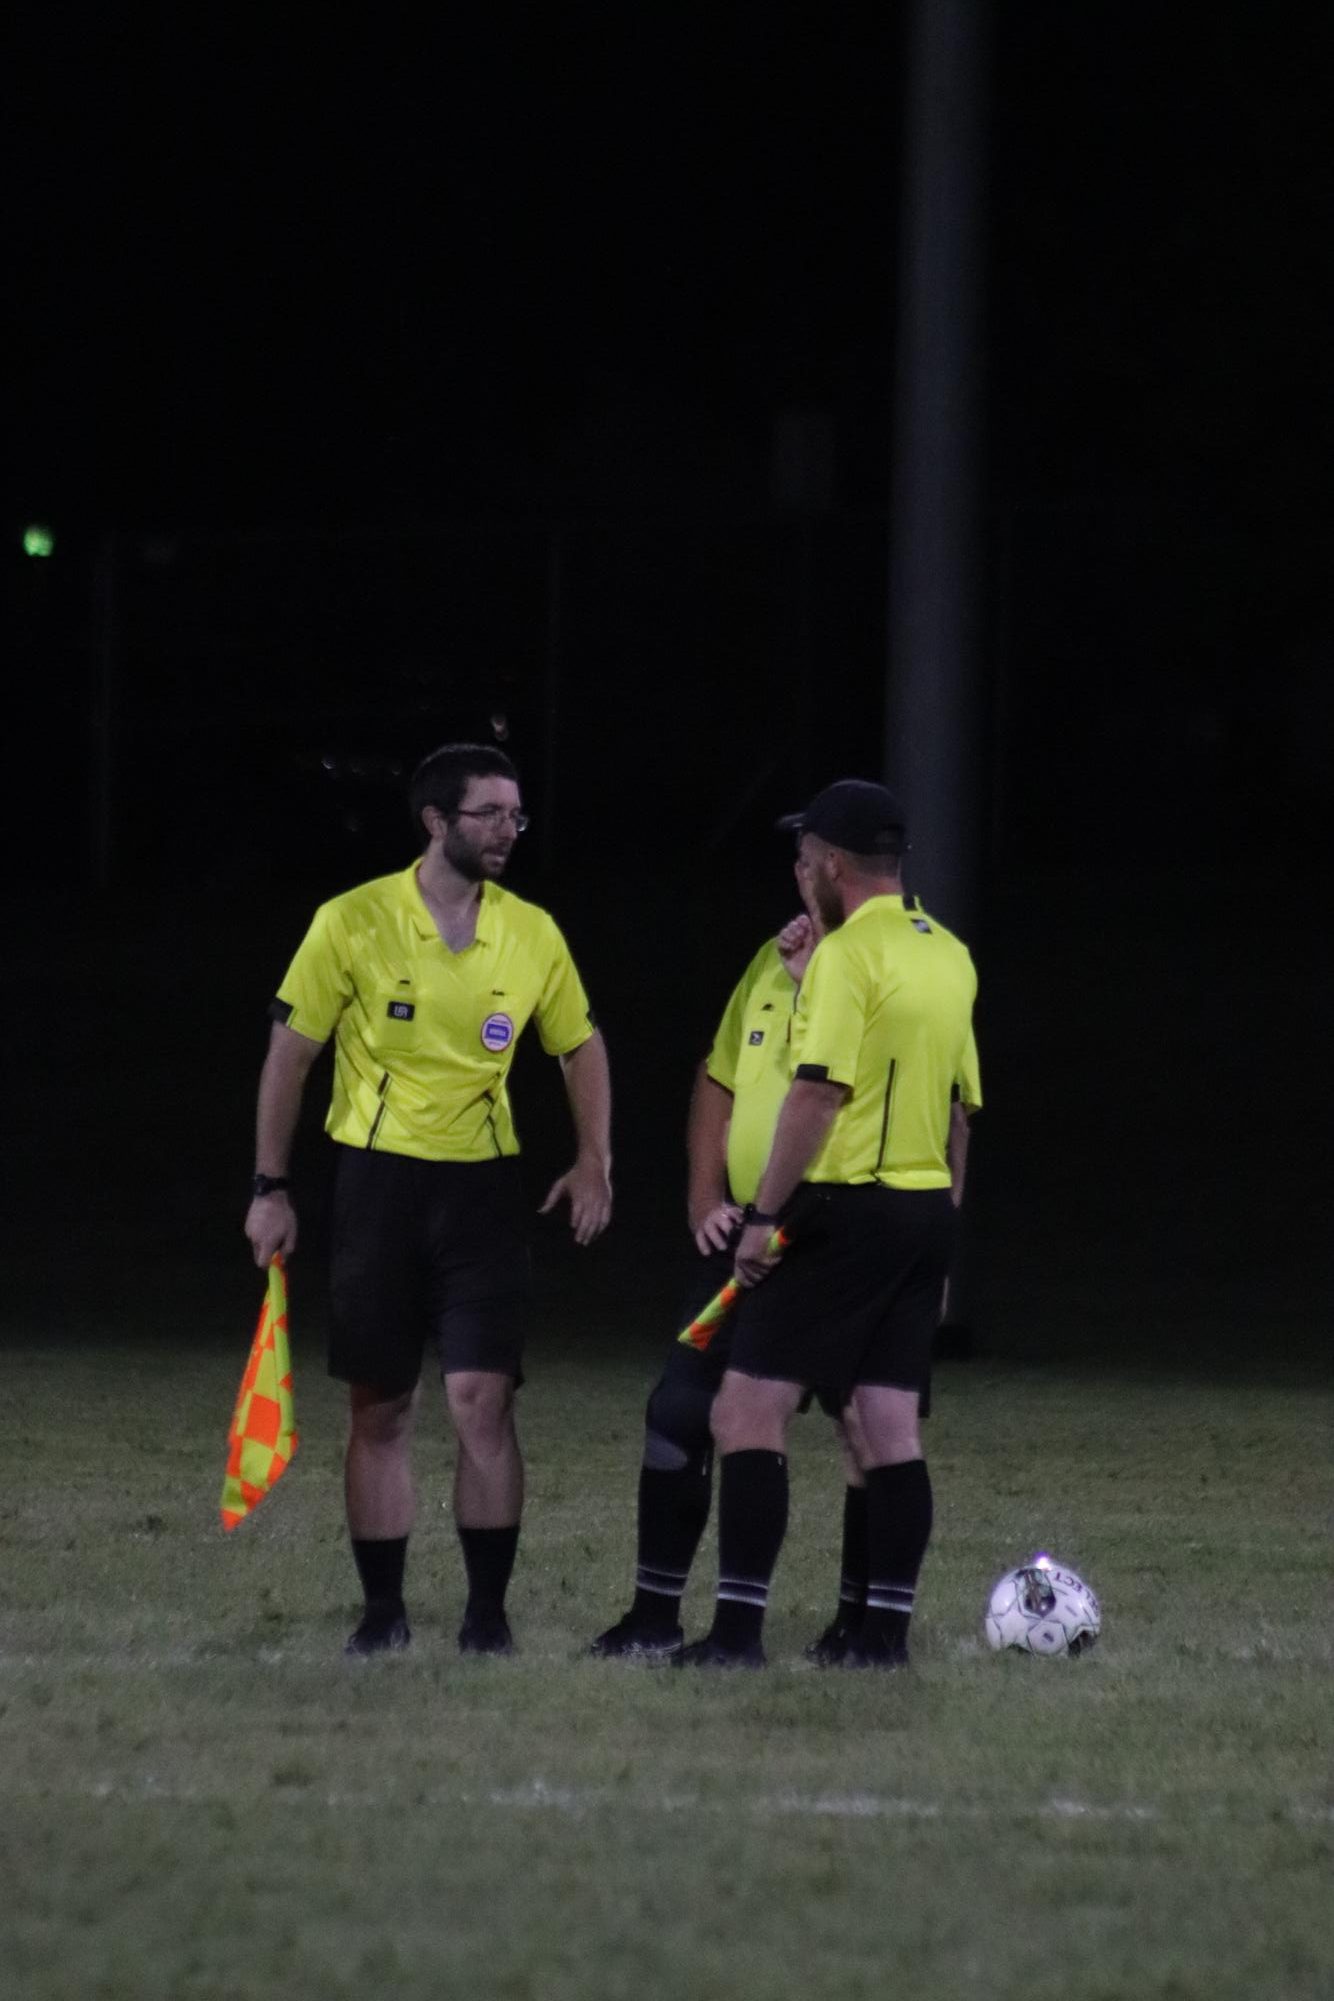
(809, 1110)
(706, 1144)
(282, 1083)
(587, 1076)
(958, 1152)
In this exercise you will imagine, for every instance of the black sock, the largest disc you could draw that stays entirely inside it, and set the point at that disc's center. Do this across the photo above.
(380, 1568)
(673, 1511)
(488, 1556)
(898, 1508)
(752, 1521)
(852, 1584)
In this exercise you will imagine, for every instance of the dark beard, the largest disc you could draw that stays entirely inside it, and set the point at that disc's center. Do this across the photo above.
(465, 860)
(827, 903)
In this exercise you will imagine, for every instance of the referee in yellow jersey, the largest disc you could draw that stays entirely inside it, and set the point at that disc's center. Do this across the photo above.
(424, 982)
(859, 1175)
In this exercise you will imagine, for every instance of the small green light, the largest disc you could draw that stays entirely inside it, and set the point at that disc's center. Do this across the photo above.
(38, 540)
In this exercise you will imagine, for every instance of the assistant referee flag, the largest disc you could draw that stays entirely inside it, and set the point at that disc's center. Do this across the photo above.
(263, 1436)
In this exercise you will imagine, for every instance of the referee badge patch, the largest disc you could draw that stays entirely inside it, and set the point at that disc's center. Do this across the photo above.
(497, 1032)
(756, 1035)
(920, 924)
(401, 1010)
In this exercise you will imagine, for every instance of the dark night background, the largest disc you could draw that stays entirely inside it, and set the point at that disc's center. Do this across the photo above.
(376, 379)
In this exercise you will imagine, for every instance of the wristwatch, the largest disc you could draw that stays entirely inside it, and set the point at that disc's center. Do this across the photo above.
(750, 1214)
(268, 1184)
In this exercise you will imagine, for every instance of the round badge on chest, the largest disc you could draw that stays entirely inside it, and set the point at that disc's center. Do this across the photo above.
(497, 1033)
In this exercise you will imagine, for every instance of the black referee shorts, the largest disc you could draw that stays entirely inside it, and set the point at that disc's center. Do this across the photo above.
(698, 1372)
(427, 1251)
(856, 1296)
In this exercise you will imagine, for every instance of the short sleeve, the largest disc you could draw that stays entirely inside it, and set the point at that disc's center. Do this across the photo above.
(725, 1052)
(317, 986)
(831, 1013)
(968, 1081)
(562, 1013)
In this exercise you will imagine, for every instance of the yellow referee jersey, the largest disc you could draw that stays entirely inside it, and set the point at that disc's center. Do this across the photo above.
(751, 1058)
(424, 1037)
(886, 1008)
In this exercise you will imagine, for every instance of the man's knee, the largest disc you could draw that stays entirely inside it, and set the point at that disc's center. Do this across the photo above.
(752, 1411)
(676, 1425)
(884, 1427)
(852, 1445)
(380, 1420)
(481, 1406)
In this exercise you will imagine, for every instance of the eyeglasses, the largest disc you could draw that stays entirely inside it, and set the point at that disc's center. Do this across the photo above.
(493, 815)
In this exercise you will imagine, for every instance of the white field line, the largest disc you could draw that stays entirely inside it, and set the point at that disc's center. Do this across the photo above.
(208, 1654)
(537, 1795)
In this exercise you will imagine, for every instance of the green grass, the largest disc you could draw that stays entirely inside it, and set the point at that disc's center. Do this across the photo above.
(203, 1800)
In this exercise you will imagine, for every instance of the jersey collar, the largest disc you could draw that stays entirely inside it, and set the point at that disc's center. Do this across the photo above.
(895, 900)
(424, 924)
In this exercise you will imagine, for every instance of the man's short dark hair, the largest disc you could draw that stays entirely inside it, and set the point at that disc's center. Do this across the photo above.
(888, 853)
(441, 778)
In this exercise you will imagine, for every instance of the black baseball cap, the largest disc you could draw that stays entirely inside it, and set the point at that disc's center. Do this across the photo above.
(852, 813)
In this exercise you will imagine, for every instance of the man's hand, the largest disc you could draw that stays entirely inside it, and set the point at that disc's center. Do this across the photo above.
(796, 941)
(713, 1226)
(270, 1224)
(754, 1260)
(587, 1187)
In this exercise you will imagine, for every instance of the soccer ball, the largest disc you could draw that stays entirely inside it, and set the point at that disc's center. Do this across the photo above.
(1042, 1608)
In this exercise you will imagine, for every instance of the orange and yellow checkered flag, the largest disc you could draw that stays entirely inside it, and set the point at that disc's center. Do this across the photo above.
(699, 1334)
(263, 1435)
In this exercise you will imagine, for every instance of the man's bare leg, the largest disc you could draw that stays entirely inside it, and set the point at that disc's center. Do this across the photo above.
(488, 1500)
(832, 1645)
(899, 1514)
(750, 1420)
(377, 1481)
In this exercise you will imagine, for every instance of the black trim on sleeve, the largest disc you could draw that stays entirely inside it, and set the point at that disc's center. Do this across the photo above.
(280, 1011)
(811, 1073)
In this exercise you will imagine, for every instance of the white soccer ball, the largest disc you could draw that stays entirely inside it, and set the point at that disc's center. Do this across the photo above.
(1042, 1608)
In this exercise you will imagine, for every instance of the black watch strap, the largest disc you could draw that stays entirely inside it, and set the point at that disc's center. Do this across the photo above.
(750, 1214)
(268, 1184)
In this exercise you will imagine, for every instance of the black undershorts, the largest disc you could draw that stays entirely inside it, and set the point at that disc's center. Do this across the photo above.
(426, 1251)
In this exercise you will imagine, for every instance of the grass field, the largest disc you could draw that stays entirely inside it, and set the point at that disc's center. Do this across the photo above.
(203, 1799)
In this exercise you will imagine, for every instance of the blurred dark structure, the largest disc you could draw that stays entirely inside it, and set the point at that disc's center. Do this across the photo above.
(655, 669)
(549, 378)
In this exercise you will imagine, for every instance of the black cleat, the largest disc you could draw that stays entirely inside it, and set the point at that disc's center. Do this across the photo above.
(631, 1640)
(707, 1653)
(379, 1635)
(883, 1654)
(831, 1649)
(485, 1633)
